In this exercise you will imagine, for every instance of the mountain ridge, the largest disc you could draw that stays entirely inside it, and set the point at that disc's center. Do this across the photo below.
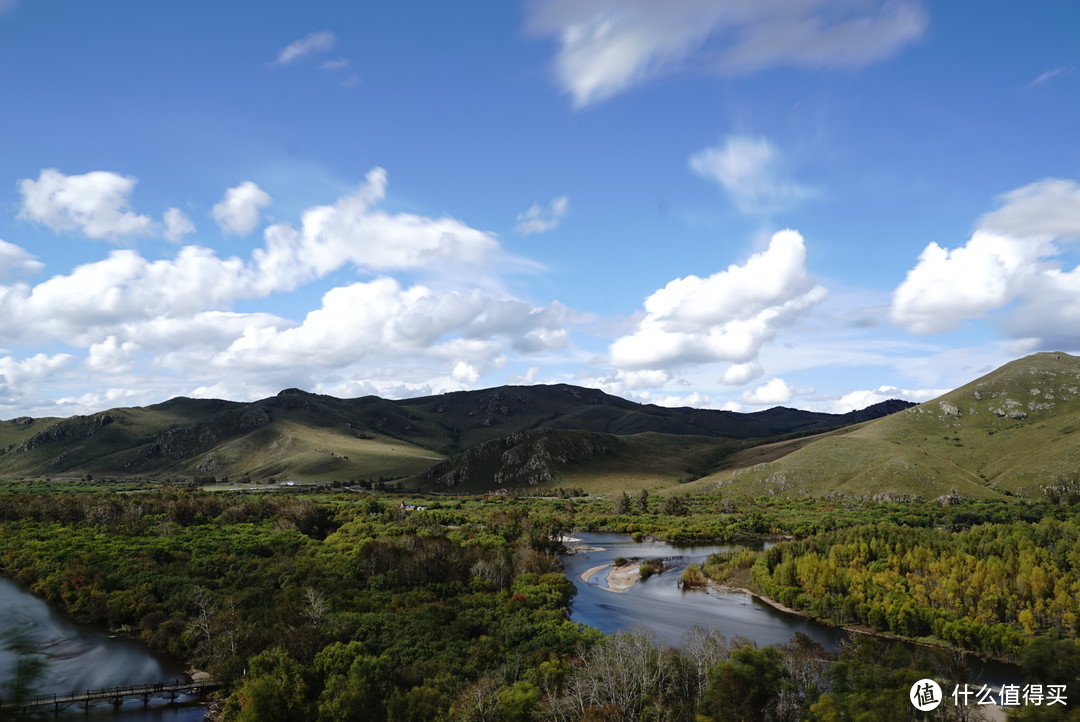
(309, 435)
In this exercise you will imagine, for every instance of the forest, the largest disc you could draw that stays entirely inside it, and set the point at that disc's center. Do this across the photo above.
(338, 605)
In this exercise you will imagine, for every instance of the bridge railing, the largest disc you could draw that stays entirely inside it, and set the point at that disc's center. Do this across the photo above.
(178, 685)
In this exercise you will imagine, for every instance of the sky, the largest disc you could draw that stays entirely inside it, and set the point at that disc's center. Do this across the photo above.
(730, 204)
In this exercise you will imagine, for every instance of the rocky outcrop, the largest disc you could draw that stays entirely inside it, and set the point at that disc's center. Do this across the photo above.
(77, 427)
(524, 458)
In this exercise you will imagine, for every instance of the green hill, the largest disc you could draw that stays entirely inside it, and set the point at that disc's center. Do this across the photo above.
(601, 463)
(1011, 431)
(308, 436)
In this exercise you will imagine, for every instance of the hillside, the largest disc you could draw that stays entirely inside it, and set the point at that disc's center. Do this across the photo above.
(307, 436)
(1011, 431)
(603, 463)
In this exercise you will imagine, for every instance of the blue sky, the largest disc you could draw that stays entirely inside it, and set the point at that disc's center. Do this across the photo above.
(727, 204)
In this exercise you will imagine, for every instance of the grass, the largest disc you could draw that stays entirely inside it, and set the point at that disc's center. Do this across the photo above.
(964, 441)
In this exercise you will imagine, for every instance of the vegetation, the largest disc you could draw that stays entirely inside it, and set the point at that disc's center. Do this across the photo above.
(505, 437)
(1010, 432)
(319, 606)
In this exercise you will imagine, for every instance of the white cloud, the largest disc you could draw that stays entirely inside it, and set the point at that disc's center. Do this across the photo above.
(8, 5)
(353, 231)
(382, 319)
(726, 316)
(695, 400)
(238, 212)
(856, 400)
(1047, 208)
(126, 287)
(608, 46)
(1049, 75)
(738, 374)
(526, 379)
(168, 323)
(537, 219)
(110, 355)
(1011, 257)
(19, 374)
(751, 171)
(15, 261)
(949, 286)
(94, 204)
(318, 42)
(177, 225)
(773, 392)
(339, 64)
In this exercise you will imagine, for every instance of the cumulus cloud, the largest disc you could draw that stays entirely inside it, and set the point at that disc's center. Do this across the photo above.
(383, 319)
(313, 43)
(126, 287)
(538, 219)
(238, 212)
(16, 261)
(750, 170)
(177, 225)
(111, 355)
(855, 400)
(947, 286)
(94, 204)
(1012, 256)
(739, 374)
(608, 46)
(726, 316)
(169, 324)
(694, 400)
(773, 392)
(19, 374)
(353, 231)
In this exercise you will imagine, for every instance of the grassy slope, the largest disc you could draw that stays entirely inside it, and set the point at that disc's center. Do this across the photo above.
(601, 463)
(1011, 430)
(311, 436)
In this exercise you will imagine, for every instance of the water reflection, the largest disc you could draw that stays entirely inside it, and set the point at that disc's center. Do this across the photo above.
(55, 656)
(660, 605)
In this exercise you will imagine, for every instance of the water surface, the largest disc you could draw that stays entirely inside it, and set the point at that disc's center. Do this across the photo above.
(659, 605)
(78, 657)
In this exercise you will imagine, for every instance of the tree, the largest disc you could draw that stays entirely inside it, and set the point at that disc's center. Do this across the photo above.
(622, 503)
(746, 687)
(643, 502)
(274, 691)
(674, 506)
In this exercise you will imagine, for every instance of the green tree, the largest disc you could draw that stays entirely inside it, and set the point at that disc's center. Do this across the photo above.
(517, 702)
(275, 691)
(746, 687)
(674, 505)
(643, 502)
(622, 503)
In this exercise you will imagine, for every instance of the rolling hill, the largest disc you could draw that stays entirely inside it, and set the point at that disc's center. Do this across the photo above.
(306, 436)
(1012, 431)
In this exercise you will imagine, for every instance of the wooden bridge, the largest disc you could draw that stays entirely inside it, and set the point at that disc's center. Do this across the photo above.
(116, 695)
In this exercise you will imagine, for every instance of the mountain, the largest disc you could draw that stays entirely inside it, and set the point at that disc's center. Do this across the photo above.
(302, 435)
(1012, 431)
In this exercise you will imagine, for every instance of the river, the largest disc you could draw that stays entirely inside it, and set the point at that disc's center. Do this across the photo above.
(659, 605)
(77, 657)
